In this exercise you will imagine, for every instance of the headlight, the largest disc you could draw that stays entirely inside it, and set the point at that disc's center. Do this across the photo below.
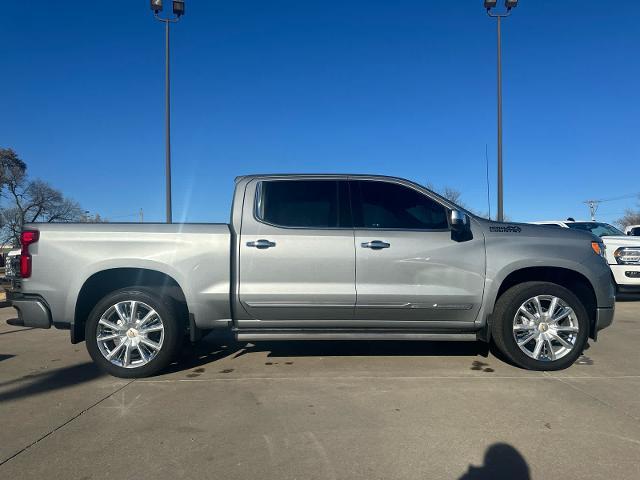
(627, 255)
(598, 248)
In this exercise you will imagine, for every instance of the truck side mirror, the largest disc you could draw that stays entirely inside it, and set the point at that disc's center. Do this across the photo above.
(459, 221)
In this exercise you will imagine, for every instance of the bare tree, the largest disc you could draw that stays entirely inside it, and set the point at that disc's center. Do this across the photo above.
(631, 217)
(28, 201)
(11, 167)
(454, 195)
(449, 193)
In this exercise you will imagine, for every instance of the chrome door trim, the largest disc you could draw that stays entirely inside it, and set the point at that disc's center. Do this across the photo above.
(430, 306)
(297, 304)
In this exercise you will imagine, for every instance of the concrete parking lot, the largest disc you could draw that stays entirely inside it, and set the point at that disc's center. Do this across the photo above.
(373, 410)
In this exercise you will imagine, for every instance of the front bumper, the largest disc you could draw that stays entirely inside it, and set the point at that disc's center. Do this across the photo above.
(32, 310)
(627, 278)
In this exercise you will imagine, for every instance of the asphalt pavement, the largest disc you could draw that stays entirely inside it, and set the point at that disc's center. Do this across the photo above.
(321, 410)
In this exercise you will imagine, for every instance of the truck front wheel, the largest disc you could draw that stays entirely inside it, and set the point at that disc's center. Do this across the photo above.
(132, 333)
(540, 326)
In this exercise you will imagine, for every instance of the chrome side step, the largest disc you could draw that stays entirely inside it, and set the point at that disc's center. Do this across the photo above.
(257, 336)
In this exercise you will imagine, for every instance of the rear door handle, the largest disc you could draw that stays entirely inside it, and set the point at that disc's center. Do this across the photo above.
(375, 244)
(261, 244)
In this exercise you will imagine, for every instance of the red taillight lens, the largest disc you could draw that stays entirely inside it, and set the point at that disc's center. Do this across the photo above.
(27, 238)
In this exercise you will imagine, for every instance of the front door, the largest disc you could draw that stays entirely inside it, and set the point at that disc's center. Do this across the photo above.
(297, 257)
(409, 266)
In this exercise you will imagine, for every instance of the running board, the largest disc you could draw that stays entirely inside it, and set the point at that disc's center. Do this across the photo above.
(16, 322)
(254, 336)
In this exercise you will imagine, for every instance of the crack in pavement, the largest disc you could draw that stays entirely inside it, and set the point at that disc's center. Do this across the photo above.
(590, 395)
(17, 331)
(369, 377)
(67, 422)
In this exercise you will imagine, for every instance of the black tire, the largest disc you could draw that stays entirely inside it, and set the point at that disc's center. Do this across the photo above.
(173, 332)
(505, 311)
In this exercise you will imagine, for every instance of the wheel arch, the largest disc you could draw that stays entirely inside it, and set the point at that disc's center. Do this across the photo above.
(105, 281)
(572, 280)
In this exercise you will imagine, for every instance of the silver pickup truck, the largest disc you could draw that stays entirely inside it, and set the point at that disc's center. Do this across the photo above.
(317, 257)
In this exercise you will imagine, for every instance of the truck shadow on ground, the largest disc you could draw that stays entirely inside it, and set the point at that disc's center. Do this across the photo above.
(501, 462)
(44, 382)
(210, 351)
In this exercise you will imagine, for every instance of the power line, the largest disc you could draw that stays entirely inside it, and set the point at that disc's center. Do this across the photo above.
(594, 204)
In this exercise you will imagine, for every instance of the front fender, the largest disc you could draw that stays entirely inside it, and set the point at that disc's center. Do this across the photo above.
(508, 253)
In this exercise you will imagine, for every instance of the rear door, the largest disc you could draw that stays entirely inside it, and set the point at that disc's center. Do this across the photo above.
(297, 256)
(410, 267)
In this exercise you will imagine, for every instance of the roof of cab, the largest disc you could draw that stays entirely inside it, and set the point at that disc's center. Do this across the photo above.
(316, 175)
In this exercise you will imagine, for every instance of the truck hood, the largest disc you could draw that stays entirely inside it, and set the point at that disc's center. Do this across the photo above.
(516, 230)
(626, 241)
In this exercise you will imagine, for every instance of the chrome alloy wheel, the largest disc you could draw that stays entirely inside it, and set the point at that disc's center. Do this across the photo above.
(545, 328)
(130, 334)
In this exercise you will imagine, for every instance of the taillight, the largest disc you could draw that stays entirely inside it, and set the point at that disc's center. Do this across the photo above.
(27, 237)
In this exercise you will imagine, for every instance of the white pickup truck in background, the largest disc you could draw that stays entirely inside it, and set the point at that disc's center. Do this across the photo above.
(633, 230)
(621, 251)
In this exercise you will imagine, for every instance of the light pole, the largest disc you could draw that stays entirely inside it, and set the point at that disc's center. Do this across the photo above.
(178, 11)
(509, 4)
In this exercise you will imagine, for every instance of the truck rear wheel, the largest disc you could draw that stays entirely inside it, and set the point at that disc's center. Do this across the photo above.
(540, 326)
(132, 333)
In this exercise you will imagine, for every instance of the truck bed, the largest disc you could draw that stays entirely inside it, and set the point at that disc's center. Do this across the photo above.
(195, 256)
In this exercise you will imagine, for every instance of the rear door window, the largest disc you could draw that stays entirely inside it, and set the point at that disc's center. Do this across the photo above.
(304, 203)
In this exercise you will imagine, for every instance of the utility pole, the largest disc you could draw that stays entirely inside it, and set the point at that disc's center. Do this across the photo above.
(593, 208)
(594, 204)
(178, 11)
(509, 4)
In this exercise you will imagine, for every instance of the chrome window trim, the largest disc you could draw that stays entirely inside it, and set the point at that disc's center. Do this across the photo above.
(258, 192)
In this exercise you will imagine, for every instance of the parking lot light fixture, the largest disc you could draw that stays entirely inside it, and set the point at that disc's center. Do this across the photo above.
(511, 4)
(489, 5)
(178, 7)
(178, 12)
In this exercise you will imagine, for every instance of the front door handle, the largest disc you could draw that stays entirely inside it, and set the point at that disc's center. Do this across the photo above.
(375, 244)
(261, 244)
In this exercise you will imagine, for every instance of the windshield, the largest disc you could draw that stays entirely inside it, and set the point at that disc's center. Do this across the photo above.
(597, 228)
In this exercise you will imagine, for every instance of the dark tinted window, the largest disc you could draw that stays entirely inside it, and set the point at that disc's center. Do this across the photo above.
(304, 203)
(389, 205)
(597, 228)
(635, 231)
